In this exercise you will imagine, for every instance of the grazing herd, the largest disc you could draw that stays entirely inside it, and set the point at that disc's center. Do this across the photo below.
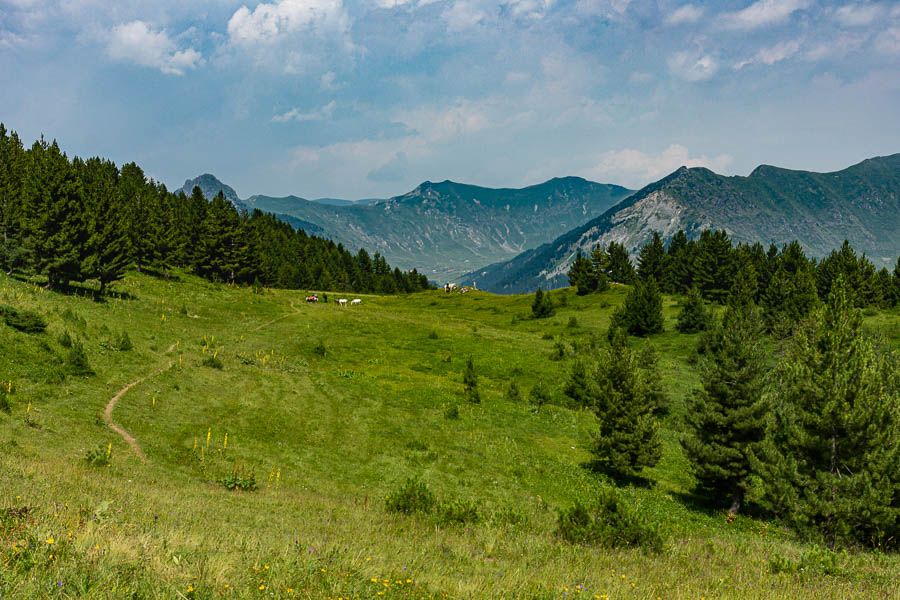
(314, 299)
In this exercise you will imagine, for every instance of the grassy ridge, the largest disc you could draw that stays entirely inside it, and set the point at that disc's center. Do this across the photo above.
(328, 436)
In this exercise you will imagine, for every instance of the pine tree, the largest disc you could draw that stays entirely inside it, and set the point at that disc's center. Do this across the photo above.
(107, 252)
(541, 307)
(619, 267)
(599, 265)
(55, 227)
(788, 299)
(832, 468)
(726, 417)
(581, 276)
(694, 316)
(651, 258)
(895, 279)
(628, 436)
(470, 382)
(578, 388)
(677, 270)
(12, 176)
(714, 265)
(641, 313)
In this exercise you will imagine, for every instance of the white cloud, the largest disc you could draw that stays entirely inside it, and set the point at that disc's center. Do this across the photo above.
(322, 113)
(610, 9)
(528, 9)
(684, 14)
(692, 65)
(270, 21)
(763, 12)
(391, 3)
(633, 167)
(464, 14)
(858, 15)
(136, 42)
(328, 82)
(888, 41)
(769, 56)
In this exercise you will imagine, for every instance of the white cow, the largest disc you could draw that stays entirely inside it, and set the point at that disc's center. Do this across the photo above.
(355, 301)
(341, 301)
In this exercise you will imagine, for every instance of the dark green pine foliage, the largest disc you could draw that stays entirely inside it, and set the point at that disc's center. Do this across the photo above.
(54, 218)
(139, 198)
(678, 265)
(581, 275)
(832, 468)
(885, 288)
(694, 315)
(788, 299)
(726, 417)
(12, 176)
(651, 258)
(599, 266)
(470, 382)
(714, 265)
(579, 387)
(542, 306)
(107, 251)
(628, 436)
(619, 267)
(219, 244)
(895, 288)
(641, 313)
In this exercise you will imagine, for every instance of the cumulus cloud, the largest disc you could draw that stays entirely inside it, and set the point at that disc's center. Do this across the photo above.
(858, 15)
(610, 9)
(769, 56)
(684, 14)
(888, 41)
(322, 113)
(464, 14)
(692, 65)
(271, 21)
(528, 9)
(137, 42)
(633, 167)
(763, 12)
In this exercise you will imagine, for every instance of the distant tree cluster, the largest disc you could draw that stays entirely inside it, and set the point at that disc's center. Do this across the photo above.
(784, 282)
(75, 220)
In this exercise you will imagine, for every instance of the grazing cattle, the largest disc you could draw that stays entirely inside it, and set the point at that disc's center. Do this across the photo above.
(448, 287)
(341, 302)
(313, 298)
(355, 301)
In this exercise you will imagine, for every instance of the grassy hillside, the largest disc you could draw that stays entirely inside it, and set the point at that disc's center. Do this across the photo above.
(332, 408)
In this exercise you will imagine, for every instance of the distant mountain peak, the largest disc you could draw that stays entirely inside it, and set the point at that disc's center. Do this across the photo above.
(210, 185)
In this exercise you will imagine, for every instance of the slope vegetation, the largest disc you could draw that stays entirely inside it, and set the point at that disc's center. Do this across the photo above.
(330, 409)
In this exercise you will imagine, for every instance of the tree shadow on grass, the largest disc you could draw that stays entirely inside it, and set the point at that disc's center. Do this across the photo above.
(618, 479)
(74, 289)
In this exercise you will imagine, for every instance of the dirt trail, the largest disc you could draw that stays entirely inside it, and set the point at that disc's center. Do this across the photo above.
(275, 320)
(107, 413)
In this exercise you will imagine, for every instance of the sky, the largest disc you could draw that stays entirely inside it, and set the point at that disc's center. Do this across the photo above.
(368, 98)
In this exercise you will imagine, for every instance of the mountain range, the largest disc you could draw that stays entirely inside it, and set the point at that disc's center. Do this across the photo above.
(528, 237)
(772, 205)
(442, 229)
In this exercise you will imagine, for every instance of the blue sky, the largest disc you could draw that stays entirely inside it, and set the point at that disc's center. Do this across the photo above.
(367, 98)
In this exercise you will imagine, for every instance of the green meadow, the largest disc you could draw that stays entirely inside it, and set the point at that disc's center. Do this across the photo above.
(329, 410)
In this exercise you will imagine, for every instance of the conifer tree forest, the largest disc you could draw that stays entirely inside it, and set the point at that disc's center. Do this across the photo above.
(74, 220)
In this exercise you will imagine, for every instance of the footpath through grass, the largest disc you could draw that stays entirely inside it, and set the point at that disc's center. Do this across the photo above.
(327, 410)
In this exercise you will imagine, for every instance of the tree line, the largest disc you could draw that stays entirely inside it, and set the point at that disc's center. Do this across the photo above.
(812, 433)
(77, 220)
(783, 280)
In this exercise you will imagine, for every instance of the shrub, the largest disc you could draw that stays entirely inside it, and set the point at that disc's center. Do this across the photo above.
(539, 395)
(542, 306)
(240, 481)
(559, 351)
(573, 323)
(77, 360)
(23, 320)
(213, 362)
(320, 349)
(124, 342)
(65, 340)
(513, 393)
(451, 412)
(641, 314)
(694, 315)
(609, 522)
(458, 511)
(100, 457)
(411, 497)
(4, 402)
(433, 335)
(470, 382)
